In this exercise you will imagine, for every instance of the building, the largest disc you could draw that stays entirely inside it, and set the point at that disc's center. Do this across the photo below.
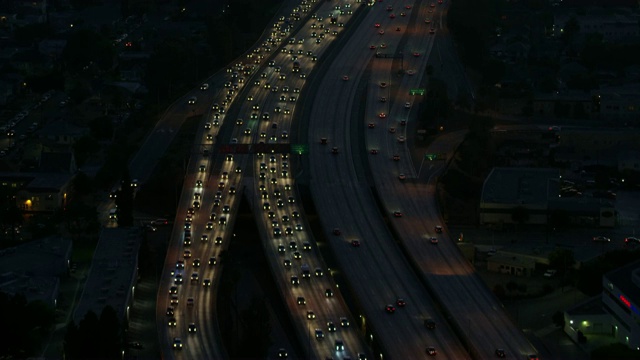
(616, 312)
(511, 263)
(38, 192)
(113, 274)
(507, 189)
(34, 269)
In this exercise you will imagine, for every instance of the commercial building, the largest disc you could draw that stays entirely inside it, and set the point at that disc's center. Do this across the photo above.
(615, 313)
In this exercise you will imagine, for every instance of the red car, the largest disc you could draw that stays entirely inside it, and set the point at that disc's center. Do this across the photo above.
(397, 214)
(371, 125)
(355, 243)
(373, 151)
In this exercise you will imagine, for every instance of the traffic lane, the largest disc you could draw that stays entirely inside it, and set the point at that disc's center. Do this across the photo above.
(498, 319)
(367, 243)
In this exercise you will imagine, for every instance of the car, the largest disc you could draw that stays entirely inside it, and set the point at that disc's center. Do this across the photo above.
(601, 239)
(319, 334)
(334, 150)
(170, 311)
(373, 151)
(212, 260)
(206, 283)
(433, 240)
(311, 315)
(430, 324)
(345, 78)
(299, 227)
(398, 29)
(344, 322)
(328, 293)
(382, 99)
(397, 214)
(192, 328)
(331, 326)
(187, 254)
(204, 86)
(432, 31)
(438, 229)
(180, 264)
(427, 21)
(550, 273)
(336, 232)
(355, 243)
(297, 255)
(431, 351)
(301, 300)
(631, 240)
(390, 309)
(401, 139)
(376, 25)
(383, 85)
(416, 54)
(381, 32)
(396, 157)
(403, 122)
(402, 176)
(392, 16)
(500, 353)
(392, 130)
(400, 302)
(196, 263)
(532, 357)
(371, 125)
(282, 353)
(192, 100)
(218, 240)
(372, 47)
(382, 115)
(177, 343)
(295, 281)
(318, 272)
(407, 105)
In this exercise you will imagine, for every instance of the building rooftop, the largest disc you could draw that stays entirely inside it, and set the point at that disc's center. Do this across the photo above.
(590, 306)
(112, 274)
(627, 279)
(526, 186)
(44, 257)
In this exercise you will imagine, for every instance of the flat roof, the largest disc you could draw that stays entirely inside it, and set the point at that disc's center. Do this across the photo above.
(112, 273)
(591, 306)
(43, 257)
(520, 186)
(627, 279)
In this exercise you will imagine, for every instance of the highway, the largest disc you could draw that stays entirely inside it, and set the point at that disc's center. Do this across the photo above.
(190, 325)
(376, 270)
(409, 205)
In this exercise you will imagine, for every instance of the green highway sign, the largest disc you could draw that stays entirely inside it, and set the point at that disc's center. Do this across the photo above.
(430, 156)
(417, 91)
(300, 148)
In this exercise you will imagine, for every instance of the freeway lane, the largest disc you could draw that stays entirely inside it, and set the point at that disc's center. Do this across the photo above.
(376, 270)
(474, 310)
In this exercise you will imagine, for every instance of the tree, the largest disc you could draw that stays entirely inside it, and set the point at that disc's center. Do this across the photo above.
(30, 325)
(570, 31)
(558, 319)
(561, 260)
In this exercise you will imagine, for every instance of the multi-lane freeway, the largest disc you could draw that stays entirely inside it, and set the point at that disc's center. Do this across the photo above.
(356, 111)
